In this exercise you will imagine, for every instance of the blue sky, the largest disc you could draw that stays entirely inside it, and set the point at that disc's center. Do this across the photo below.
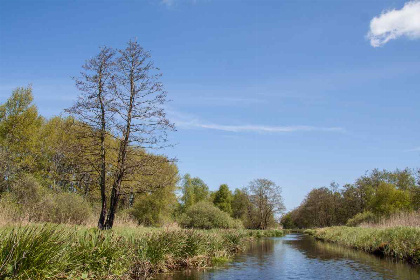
(300, 92)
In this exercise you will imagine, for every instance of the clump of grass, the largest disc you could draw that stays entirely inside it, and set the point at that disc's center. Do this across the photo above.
(398, 242)
(99, 253)
(32, 252)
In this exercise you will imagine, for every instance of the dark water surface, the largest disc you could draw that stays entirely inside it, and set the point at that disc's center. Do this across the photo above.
(298, 256)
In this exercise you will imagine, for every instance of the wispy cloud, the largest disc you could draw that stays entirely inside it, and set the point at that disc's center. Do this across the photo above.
(254, 128)
(393, 24)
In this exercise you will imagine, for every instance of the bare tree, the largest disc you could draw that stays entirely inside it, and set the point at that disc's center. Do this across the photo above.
(94, 110)
(121, 104)
(266, 201)
(140, 120)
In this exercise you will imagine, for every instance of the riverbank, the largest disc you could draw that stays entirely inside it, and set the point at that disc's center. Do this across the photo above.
(68, 252)
(398, 242)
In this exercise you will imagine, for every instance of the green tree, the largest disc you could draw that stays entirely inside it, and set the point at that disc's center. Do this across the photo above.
(223, 199)
(193, 190)
(240, 202)
(19, 131)
(287, 221)
(388, 199)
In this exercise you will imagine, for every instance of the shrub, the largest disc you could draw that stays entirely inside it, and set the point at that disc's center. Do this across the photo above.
(364, 217)
(68, 208)
(27, 190)
(205, 215)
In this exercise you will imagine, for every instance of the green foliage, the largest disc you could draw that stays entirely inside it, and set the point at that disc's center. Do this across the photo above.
(205, 215)
(364, 217)
(223, 199)
(19, 130)
(389, 200)
(287, 221)
(193, 190)
(240, 203)
(155, 209)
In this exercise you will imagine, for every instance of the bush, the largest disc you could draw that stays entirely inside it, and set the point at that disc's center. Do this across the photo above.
(364, 217)
(68, 208)
(205, 215)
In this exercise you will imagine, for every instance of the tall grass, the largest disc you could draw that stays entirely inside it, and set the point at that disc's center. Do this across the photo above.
(74, 252)
(398, 242)
(408, 219)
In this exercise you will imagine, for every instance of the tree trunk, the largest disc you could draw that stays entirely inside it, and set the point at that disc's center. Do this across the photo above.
(113, 206)
(102, 182)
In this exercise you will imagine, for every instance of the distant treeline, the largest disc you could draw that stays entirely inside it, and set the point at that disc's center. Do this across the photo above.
(373, 196)
(49, 172)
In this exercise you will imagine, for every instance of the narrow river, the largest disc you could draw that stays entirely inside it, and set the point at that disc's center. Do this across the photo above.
(297, 256)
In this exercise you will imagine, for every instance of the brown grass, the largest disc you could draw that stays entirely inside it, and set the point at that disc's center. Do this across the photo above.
(406, 219)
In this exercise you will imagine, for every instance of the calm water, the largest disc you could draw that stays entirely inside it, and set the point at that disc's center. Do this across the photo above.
(297, 256)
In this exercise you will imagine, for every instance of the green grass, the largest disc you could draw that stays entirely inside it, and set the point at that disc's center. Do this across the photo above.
(68, 252)
(398, 242)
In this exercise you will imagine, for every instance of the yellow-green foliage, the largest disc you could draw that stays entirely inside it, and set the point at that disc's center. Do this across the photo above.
(205, 215)
(364, 217)
(65, 252)
(28, 201)
(398, 242)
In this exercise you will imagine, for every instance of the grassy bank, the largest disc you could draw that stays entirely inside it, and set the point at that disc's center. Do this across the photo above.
(68, 252)
(398, 242)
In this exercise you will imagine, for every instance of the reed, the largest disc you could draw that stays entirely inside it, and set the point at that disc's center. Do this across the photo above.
(407, 219)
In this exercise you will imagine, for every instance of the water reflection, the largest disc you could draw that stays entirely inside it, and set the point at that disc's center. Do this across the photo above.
(301, 257)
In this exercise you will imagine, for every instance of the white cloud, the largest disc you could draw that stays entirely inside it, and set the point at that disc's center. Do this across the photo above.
(395, 23)
(255, 128)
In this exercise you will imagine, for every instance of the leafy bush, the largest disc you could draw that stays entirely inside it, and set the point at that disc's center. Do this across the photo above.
(205, 215)
(364, 217)
(68, 208)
